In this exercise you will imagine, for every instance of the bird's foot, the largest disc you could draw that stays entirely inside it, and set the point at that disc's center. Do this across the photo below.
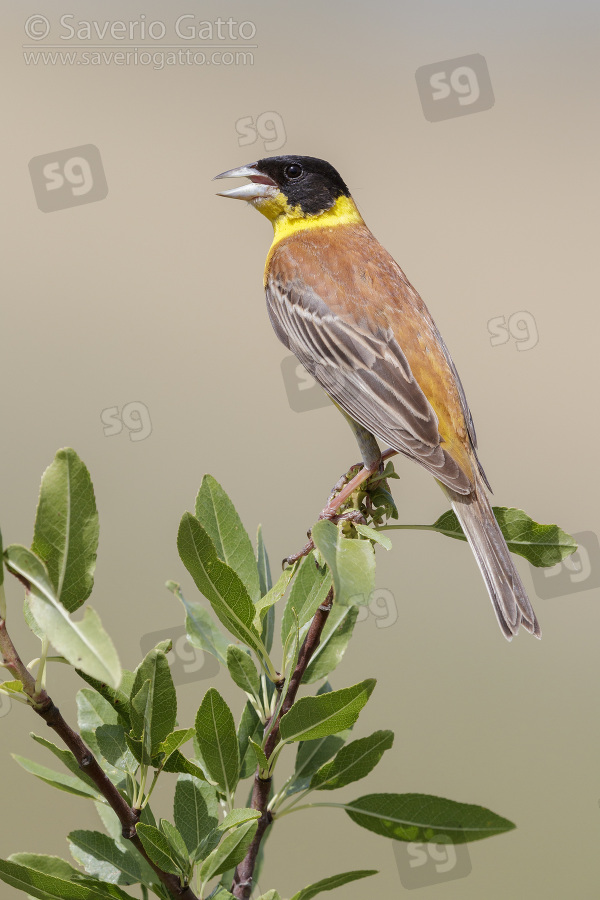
(342, 491)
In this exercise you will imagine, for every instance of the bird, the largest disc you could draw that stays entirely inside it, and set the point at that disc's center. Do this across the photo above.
(343, 306)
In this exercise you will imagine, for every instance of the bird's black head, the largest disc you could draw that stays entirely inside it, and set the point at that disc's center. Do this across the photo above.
(307, 182)
(281, 184)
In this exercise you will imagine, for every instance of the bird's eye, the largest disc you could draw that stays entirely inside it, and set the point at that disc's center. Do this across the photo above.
(293, 171)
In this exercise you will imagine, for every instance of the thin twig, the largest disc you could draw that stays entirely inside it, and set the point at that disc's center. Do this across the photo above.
(243, 878)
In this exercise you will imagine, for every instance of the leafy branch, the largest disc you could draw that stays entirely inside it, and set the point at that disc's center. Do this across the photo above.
(128, 735)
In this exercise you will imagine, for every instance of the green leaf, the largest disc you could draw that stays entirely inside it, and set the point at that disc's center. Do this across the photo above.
(308, 592)
(66, 528)
(421, 818)
(110, 820)
(113, 747)
(352, 563)
(242, 670)
(141, 723)
(30, 621)
(177, 762)
(103, 858)
(334, 881)
(220, 893)
(270, 895)
(158, 848)
(250, 727)
(217, 514)
(261, 759)
(118, 698)
(154, 668)
(195, 810)
(201, 630)
(239, 816)
(12, 687)
(266, 583)
(69, 783)
(49, 887)
(313, 754)
(332, 646)
(220, 585)
(229, 853)
(267, 632)
(262, 563)
(84, 644)
(233, 819)
(315, 717)
(177, 843)
(373, 535)
(274, 595)
(92, 712)
(172, 743)
(215, 733)
(51, 865)
(353, 762)
(68, 759)
(111, 823)
(541, 545)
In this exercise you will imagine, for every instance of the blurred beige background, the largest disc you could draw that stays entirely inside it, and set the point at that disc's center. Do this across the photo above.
(154, 295)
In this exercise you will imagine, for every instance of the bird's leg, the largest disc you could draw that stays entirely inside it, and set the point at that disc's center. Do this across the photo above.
(336, 500)
(372, 462)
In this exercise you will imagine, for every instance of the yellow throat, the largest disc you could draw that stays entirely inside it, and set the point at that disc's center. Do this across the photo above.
(288, 219)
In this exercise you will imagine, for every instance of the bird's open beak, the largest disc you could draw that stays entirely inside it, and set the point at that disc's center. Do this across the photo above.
(260, 187)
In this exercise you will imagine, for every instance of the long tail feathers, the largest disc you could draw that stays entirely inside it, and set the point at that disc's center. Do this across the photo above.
(509, 598)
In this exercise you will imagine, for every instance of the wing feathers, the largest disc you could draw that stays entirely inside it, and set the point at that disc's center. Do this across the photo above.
(366, 373)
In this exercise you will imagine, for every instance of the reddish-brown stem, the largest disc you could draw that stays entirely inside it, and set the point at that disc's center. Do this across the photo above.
(243, 878)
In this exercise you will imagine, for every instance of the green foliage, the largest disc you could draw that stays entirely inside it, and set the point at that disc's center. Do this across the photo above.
(229, 852)
(52, 887)
(352, 762)
(72, 784)
(242, 670)
(217, 739)
(154, 701)
(419, 817)
(221, 586)
(316, 717)
(541, 545)
(352, 563)
(159, 849)
(102, 857)
(308, 592)
(128, 720)
(216, 512)
(84, 644)
(66, 528)
(334, 641)
(329, 884)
